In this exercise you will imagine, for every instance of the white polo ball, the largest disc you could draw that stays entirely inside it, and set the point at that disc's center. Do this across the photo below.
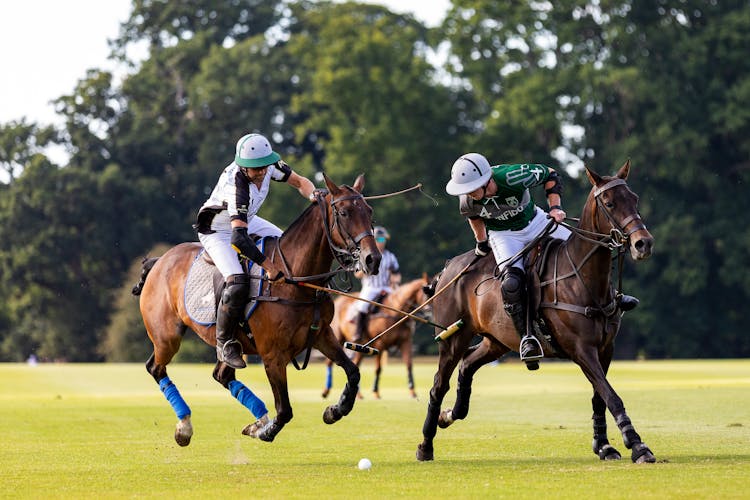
(364, 464)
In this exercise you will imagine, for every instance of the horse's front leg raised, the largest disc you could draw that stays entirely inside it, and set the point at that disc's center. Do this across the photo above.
(592, 368)
(327, 344)
(450, 354)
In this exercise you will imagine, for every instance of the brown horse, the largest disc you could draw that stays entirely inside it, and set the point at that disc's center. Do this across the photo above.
(404, 298)
(291, 319)
(576, 302)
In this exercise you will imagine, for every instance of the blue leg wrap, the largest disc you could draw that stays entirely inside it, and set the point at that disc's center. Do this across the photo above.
(329, 377)
(248, 399)
(170, 391)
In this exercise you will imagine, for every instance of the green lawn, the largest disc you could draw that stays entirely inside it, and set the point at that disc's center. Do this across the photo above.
(85, 431)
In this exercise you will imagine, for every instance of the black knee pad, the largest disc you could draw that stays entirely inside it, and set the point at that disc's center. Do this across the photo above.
(513, 285)
(236, 291)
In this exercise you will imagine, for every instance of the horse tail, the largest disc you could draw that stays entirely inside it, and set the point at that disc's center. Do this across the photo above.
(147, 264)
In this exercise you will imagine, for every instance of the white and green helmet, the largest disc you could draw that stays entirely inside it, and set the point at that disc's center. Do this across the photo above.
(254, 151)
(469, 172)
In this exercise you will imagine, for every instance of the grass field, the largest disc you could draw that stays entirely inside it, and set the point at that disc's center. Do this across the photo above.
(105, 431)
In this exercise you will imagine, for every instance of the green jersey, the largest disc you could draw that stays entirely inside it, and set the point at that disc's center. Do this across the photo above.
(512, 206)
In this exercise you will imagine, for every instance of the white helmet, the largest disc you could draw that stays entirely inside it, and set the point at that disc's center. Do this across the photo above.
(254, 151)
(470, 172)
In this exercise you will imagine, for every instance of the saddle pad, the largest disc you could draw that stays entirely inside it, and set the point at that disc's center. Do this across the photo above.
(203, 289)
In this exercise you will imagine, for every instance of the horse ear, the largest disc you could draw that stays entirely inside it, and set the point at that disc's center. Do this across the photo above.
(359, 184)
(425, 277)
(332, 187)
(595, 178)
(624, 170)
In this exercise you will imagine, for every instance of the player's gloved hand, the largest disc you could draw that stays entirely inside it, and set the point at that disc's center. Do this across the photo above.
(318, 193)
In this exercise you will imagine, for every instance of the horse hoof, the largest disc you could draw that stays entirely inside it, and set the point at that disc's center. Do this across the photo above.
(183, 432)
(445, 418)
(425, 453)
(413, 394)
(376, 394)
(325, 393)
(608, 452)
(532, 365)
(331, 415)
(641, 454)
(256, 427)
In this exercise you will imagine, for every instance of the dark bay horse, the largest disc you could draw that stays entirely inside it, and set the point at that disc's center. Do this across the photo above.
(293, 319)
(404, 298)
(576, 302)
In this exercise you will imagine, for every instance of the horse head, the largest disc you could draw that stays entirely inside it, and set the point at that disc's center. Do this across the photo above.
(614, 210)
(350, 226)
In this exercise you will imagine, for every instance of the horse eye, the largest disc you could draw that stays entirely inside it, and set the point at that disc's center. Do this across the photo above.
(609, 204)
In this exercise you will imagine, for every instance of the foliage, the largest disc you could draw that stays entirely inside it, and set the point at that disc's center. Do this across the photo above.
(350, 88)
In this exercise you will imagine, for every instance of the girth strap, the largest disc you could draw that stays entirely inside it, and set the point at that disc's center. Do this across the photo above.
(588, 311)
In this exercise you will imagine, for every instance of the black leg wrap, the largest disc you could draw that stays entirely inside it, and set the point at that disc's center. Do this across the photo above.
(629, 436)
(463, 396)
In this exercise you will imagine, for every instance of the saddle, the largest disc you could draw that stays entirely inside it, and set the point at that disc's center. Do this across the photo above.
(205, 283)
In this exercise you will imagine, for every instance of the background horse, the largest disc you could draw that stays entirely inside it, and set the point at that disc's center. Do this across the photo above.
(576, 302)
(405, 298)
(290, 320)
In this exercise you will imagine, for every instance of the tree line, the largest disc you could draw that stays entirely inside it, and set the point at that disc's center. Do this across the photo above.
(351, 88)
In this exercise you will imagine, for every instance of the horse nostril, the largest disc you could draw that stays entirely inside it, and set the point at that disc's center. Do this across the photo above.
(644, 245)
(372, 264)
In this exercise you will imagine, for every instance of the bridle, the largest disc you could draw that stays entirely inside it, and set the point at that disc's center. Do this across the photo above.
(348, 256)
(618, 233)
(618, 236)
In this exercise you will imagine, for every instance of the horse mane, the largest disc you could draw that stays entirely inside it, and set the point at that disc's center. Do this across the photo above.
(299, 220)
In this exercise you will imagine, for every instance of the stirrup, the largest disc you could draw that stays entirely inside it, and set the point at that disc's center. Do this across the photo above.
(227, 354)
(533, 349)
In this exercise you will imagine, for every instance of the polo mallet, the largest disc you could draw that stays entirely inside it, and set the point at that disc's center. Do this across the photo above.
(447, 332)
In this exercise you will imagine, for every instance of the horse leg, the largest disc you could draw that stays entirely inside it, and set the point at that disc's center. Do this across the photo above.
(450, 354)
(378, 369)
(184, 429)
(329, 379)
(473, 360)
(225, 375)
(600, 444)
(405, 349)
(327, 344)
(277, 377)
(592, 368)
